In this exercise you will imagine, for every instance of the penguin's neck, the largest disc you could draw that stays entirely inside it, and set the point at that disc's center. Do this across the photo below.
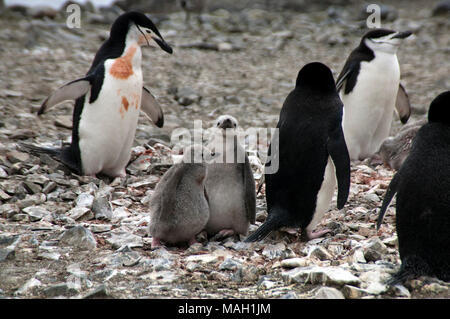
(132, 52)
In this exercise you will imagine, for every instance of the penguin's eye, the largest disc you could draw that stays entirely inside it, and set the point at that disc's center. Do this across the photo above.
(148, 31)
(218, 124)
(234, 124)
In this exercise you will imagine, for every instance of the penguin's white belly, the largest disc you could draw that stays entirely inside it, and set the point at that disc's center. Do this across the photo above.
(107, 126)
(368, 109)
(324, 196)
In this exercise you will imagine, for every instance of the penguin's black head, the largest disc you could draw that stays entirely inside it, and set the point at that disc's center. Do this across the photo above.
(316, 76)
(439, 111)
(384, 40)
(137, 26)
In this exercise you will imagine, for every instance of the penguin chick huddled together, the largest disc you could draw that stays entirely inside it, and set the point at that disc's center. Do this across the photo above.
(369, 86)
(108, 100)
(229, 184)
(310, 149)
(179, 205)
(423, 203)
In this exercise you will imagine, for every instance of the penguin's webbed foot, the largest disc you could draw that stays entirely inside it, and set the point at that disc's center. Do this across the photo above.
(155, 243)
(309, 235)
(224, 233)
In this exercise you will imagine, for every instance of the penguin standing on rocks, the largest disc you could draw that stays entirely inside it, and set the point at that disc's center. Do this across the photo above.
(230, 185)
(179, 206)
(108, 100)
(369, 86)
(310, 150)
(423, 203)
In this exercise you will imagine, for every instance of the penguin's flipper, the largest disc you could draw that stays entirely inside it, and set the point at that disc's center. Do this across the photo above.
(402, 104)
(249, 193)
(151, 108)
(341, 79)
(70, 91)
(392, 189)
(339, 154)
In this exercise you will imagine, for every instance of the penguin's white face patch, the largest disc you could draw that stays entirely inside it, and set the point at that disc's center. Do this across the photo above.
(386, 44)
(122, 67)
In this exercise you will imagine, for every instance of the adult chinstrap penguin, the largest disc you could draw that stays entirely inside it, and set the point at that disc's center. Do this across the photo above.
(369, 86)
(423, 203)
(108, 100)
(310, 150)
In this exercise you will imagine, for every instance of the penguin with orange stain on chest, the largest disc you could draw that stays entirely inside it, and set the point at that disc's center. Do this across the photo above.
(109, 99)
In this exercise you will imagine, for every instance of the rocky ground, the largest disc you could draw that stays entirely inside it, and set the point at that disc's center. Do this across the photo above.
(63, 235)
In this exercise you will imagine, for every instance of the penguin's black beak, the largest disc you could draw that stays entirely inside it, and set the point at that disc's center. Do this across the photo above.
(402, 35)
(163, 44)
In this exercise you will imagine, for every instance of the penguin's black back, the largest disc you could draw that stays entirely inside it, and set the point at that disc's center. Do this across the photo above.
(306, 117)
(423, 204)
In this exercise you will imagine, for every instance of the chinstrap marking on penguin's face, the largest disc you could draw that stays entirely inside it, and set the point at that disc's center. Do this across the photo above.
(122, 67)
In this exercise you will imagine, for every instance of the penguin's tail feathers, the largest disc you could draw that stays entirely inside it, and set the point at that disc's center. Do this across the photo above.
(272, 223)
(411, 267)
(38, 150)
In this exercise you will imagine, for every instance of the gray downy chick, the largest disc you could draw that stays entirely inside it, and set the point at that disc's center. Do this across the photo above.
(229, 184)
(395, 149)
(179, 207)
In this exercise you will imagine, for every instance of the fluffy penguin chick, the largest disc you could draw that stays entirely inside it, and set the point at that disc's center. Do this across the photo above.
(178, 207)
(229, 184)
(108, 100)
(310, 150)
(370, 89)
(423, 203)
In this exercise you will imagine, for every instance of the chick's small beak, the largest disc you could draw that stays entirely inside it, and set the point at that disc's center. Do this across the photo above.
(163, 44)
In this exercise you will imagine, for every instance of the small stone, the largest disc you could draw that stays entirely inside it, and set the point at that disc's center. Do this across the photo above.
(99, 292)
(16, 157)
(400, 291)
(4, 196)
(372, 197)
(351, 292)
(63, 121)
(28, 287)
(61, 289)
(19, 217)
(321, 253)
(100, 228)
(102, 208)
(119, 239)
(328, 293)
(376, 288)
(434, 288)
(79, 237)
(80, 213)
(36, 213)
(32, 188)
(274, 251)
(374, 249)
(266, 284)
(295, 262)
(296, 275)
(230, 264)
(84, 200)
(49, 187)
(358, 256)
(7, 253)
(332, 276)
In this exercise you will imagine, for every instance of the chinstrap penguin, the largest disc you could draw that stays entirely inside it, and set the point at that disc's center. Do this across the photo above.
(311, 150)
(369, 86)
(230, 185)
(108, 100)
(423, 203)
(179, 205)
